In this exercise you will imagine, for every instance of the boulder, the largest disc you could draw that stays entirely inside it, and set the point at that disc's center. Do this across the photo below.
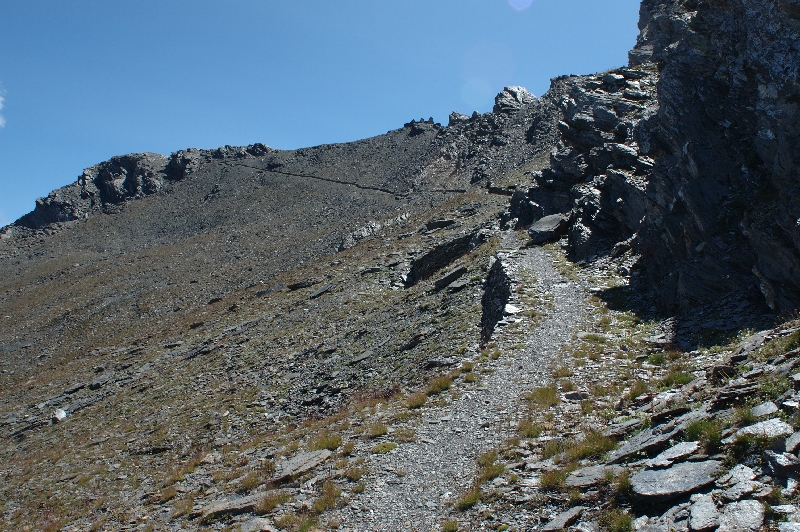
(258, 524)
(300, 464)
(741, 490)
(742, 516)
(564, 519)
(782, 464)
(793, 443)
(589, 476)
(703, 514)
(674, 453)
(449, 277)
(764, 409)
(740, 473)
(512, 99)
(770, 429)
(680, 479)
(231, 507)
(548, 228)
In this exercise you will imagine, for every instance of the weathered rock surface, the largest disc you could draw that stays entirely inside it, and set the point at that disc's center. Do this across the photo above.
(564, 519)
(592, 475)
(703, 514)
(743, 515)
(680, 479)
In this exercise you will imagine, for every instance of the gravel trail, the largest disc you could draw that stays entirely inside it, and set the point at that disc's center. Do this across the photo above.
(442, 463)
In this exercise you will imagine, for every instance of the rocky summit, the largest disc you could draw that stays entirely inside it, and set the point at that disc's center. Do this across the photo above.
(577, 311)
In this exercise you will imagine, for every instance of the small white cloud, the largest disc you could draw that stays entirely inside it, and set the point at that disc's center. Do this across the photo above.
(2, 120)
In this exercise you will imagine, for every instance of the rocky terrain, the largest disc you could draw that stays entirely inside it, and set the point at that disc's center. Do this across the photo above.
(574, 312)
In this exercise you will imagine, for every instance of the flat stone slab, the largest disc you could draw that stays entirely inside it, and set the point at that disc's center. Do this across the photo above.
(742, 516)
(589, 476)
(674, 453)
(564, 519)
(450, 277)
(301, 463)
(741, 490)
(740, 473)
(680, 479)
(771, 428)
(788, 527)
(231, 507)
(258, 524)
(764, 409)
(703, 515)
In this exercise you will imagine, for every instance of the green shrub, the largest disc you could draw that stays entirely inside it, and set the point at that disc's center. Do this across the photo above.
(325, 440)
(376, 430)
(616, 520)
(468, 500)
(416, 400)
(385, 447)
(450, 526)
(439, 385)
(543, 397)
(529, 429)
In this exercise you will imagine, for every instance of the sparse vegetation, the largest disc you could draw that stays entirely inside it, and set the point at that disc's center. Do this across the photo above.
(325, 440)
(270, 501)
(439, 385)
(543, 397)
(416, 400)
(384, 447)
(450, 526)
(468, 500)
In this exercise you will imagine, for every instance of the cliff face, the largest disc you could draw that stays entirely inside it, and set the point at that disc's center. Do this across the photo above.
(723, 210)
(689, 156)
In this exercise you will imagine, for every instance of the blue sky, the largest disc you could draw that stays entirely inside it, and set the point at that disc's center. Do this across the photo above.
(83, 80)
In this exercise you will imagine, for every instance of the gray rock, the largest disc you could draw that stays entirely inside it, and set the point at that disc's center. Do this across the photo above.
(438, 224)
(789, 527)
(674, 453)
(301, 463)
(586, 526)
(740, 473)
(564, 519)
(449, 277)
(764, 409)
(741, 516)
(576, 396)
(740, 490)
(457, 118)
(460, 284)
(512, 99)
(680, 479)
(258, 524)
(58, 415)
(771, 428)
(703, 514)
(548, 228)
(784, 509)
(231, 507)
(782, 463)
(793, 443)
(98, 382)
(325, 289)
(589, 476)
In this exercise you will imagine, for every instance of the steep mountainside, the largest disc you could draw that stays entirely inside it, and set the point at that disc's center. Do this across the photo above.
(189, 340)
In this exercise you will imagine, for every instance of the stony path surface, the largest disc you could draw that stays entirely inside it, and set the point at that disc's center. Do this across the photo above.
(442, 463)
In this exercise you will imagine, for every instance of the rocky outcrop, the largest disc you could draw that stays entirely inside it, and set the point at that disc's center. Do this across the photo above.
(722, 209)
(100, 186)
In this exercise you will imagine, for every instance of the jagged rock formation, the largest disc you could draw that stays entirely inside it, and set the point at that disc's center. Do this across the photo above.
(691, 150)
(213, 298)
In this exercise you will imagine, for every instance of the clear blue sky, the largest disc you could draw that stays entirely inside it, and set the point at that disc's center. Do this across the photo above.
(83, 80)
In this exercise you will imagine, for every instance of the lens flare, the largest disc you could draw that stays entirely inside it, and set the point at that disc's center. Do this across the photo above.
(520, 5)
